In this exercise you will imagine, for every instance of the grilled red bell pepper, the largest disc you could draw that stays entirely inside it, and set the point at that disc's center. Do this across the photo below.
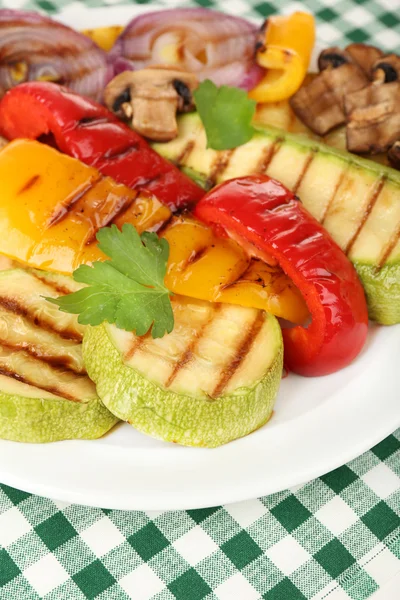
(88, 131)
(262, 212)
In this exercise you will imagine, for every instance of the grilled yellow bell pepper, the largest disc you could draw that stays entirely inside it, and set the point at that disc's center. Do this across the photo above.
(51, 207)
(285, 52)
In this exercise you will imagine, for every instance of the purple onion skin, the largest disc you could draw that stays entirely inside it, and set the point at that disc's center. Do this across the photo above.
(50, 48)
(247, 77)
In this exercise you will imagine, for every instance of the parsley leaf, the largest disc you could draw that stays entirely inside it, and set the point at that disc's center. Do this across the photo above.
(127, 290)
(226, 113)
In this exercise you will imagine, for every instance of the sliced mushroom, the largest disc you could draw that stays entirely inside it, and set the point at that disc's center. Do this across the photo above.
(373, 114)
(332, 58)
(394, 155)
(364, 56)
(320, 103)
(150, 98)
(386, 69)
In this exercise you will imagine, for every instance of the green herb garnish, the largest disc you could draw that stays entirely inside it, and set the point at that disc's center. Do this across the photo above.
(226, 113)
(127, 290)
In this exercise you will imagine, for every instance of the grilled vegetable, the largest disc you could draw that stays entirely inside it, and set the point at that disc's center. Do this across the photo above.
(52, 208)
(70, 205)
(104, 36)
(212, 380)
(88, 131)
(284, 49)
(356, 200)
(264, 214)
(45, 393)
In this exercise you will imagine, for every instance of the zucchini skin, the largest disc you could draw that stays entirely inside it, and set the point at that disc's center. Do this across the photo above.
(39, 420)
(174, 417)
(382, 290)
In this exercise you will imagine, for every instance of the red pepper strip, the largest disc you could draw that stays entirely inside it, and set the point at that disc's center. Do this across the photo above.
(88, 131)
(261, 211)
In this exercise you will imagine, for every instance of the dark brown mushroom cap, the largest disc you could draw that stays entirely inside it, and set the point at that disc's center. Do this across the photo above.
(386, 69)
(394, 155)
(332, 58)
(373, 117)
(364, 56)
(320, 103)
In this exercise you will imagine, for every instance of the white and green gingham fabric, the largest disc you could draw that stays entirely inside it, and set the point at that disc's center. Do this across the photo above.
(335, 538)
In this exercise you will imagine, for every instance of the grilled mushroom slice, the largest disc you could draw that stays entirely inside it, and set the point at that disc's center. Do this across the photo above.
(364, 56)
(320, 103)
(373, 114)
(150, 98)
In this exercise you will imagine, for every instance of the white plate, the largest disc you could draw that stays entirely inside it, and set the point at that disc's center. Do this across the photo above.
(318, 425)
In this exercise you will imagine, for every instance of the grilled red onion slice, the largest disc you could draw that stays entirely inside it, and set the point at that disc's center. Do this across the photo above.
(35, 47)
(211, 44)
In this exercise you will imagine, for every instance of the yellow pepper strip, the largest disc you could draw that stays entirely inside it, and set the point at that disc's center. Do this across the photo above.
(285, 53)
(204, 266)
(104, 36)
(52, 205)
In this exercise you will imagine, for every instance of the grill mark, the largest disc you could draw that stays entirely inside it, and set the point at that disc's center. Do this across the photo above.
(218, 166)
(121, 207)
(137, 343)
(11, 305)
(371, 203)
(58, 362)
(267, 155)
(304, 170)
(45, 388)
(113, 154)
(388, 250)
(184, 155)
(188, 355)
(241, 352)
(335, 191)
(52, 284)
(164, 227)
(29, 184)
(196, 256)
(87, 122)
(62, 211)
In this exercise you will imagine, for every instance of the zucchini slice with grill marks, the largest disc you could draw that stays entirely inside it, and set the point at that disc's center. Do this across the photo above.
(212, 380)
(45, 393)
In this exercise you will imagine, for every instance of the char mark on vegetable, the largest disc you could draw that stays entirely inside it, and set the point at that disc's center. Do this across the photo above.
(87, 122)
(63, 209)
(184, 155)
(389, 248)
(267, 155)
(335, 191)
(137, 343)
(371, 203)
(304, 170)
(13, 306)
(29, 184)
(63, 363)
(60, 289)
(121, 207)
(50, 389)
(189, 354)
(218, 166)
(241, 353)
(113, 154)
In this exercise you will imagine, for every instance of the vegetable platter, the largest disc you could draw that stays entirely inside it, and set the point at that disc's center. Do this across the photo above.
(201, 248)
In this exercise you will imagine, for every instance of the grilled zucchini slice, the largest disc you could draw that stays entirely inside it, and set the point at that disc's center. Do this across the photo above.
(45, 393)
(356, 200)
(210, 381)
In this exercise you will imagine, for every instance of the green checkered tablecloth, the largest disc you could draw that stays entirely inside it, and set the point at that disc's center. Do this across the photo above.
(335, 538)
